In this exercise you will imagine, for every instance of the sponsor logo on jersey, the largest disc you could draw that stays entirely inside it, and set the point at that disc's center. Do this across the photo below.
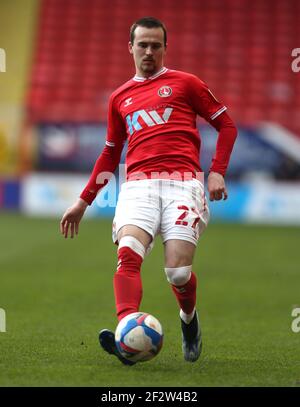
(151, 118)
(164, 91)
(128, 102)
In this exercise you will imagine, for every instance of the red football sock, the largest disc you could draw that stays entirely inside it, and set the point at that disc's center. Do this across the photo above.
(127, 282)
(186, 294)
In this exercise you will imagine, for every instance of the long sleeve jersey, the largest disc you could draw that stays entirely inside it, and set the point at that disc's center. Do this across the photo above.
(157, 116)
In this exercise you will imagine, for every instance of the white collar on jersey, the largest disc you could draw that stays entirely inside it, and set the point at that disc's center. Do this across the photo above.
(141, 79)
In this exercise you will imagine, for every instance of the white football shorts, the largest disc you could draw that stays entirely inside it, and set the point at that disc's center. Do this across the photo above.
(174, 209)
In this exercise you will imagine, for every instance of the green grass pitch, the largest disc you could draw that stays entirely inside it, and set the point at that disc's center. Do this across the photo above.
(58, 294)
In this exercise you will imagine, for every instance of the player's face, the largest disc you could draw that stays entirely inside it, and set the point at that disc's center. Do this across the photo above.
(148, 50)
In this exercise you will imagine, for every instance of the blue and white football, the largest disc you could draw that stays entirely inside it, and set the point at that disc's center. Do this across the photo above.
(139, 337)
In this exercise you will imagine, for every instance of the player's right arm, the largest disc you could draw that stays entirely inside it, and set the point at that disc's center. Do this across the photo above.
(103, 170)
(72, 217)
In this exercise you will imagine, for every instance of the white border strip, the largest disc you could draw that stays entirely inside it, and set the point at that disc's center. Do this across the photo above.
(218, 112)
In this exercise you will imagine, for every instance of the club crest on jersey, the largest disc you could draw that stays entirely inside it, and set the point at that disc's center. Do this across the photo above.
(164, 91)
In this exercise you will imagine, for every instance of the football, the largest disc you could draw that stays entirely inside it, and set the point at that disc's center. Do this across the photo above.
(139, 337)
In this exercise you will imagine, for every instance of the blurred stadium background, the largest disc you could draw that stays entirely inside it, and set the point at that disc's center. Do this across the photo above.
(63, 59)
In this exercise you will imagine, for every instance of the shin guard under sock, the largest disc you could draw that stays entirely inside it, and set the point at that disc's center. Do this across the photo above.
(186, 294)
(127, 282)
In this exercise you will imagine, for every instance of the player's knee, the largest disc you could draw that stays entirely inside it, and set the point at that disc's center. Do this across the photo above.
(131, 254)
(178, 275)
(178, 255)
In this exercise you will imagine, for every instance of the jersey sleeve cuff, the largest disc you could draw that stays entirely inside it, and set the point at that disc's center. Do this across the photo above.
(88, 196)
(221, 171)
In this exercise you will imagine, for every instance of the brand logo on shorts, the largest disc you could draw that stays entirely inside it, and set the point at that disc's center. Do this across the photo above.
(164, 91)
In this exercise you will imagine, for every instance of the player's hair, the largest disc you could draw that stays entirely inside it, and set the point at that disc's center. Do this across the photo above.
(148, 22)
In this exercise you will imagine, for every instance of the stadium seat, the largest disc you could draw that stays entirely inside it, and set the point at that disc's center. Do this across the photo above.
(243, 52)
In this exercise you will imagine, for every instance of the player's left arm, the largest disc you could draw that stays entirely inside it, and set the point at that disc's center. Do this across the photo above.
(225, 142)
(214, 112)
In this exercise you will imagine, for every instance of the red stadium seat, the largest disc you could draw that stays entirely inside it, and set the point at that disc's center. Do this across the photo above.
(242, 50)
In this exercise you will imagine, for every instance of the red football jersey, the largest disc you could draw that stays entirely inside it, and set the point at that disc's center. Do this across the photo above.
(157, 115)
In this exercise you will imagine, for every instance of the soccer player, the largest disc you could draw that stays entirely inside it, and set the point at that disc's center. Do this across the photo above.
(156, 113)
